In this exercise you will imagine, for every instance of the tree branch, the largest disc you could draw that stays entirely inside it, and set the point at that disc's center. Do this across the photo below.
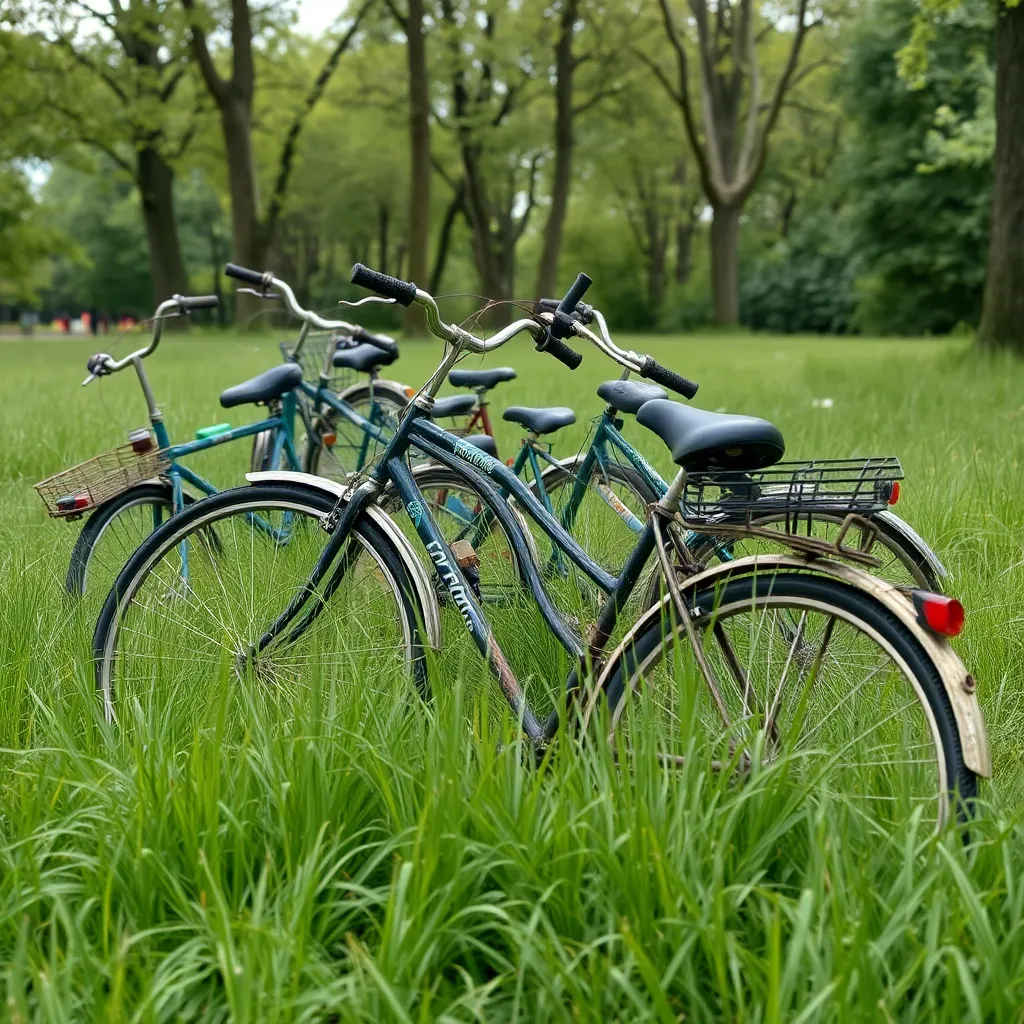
(403, 22)
(683, 99)
(531, 197)
(243, 69)
(85, 62)
(286, 163)
(201, 51)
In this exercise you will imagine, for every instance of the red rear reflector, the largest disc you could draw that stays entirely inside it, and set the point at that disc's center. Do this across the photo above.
(942, 615)
(329, 439)
(894, 492)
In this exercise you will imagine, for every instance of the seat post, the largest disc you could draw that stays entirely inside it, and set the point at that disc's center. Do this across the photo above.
(671, 498)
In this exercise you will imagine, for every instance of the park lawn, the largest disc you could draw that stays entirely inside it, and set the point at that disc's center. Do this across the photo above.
(350, 856)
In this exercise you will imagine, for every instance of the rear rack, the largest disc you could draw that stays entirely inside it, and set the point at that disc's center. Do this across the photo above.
(790, 490)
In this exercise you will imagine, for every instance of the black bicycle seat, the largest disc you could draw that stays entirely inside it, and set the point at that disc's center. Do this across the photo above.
(265, 387)
(709, 441)
(629, 395)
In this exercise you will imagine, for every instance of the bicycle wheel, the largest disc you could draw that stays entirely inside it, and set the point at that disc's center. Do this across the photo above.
(111, 535)
(612, 512)
(202, 591)
(903, 563)
(809, 669)
(338, 448)
(491, 564)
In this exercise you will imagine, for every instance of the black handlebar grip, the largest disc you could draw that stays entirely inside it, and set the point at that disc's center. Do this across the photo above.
(583, 312)
(575, 293)
(244, 274)
(381, 341)
(403, 292)
(668, 378)
(569, 356)
(190, 302)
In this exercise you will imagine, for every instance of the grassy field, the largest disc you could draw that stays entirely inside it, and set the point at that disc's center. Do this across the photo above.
(345, 855)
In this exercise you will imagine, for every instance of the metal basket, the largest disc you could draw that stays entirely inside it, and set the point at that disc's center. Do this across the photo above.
(76, 490)
(794, 489)
(311, 359)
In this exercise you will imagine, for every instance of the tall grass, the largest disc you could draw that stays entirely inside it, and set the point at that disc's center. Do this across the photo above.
(341, 853)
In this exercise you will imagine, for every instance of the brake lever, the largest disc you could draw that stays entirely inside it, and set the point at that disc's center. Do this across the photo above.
(90, 379)
(259, 294)
(363, 301)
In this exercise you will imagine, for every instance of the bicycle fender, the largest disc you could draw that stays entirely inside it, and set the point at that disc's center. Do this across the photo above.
(912, 539)
(417, 573)
(959, 685)
(397, 388)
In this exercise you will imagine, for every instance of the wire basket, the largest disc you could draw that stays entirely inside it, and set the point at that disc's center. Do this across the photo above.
(311, 359)
(76, 490)
(794, 489)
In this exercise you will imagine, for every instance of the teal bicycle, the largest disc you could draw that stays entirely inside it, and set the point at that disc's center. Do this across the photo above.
(129, 491)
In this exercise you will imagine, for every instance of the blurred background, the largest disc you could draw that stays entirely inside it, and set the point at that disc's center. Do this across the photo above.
(844, 167)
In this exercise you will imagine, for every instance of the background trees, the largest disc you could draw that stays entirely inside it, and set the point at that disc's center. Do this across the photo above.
(794, 168)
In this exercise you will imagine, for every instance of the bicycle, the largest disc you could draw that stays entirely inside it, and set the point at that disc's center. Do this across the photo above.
(756, 648)
(609, 476)
(129, 491)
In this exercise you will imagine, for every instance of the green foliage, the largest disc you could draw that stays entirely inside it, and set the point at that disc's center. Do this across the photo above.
(28, 238)
(918, 239)
(804, 283)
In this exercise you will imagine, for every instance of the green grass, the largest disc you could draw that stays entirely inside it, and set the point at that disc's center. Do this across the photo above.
(336, 854)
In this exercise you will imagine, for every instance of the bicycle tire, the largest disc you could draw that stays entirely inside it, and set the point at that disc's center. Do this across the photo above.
(640, 657)
(332, 464)
(204, 515)
(99, 524)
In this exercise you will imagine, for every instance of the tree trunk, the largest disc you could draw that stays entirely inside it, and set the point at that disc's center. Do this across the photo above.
(725, 259)
(684, 249)
(1002, 317)
(383, 216)
(419, 159)
(250, 245)
(547, 276)
(443, 240)
(156, 188)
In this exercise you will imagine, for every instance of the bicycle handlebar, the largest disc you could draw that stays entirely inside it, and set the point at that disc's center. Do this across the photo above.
(102, 365)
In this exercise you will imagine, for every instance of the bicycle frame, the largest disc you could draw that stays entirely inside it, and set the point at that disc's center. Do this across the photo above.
(490, 478)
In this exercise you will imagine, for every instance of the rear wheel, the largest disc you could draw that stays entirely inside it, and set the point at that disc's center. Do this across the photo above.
(338, 448)
(199, 596)
(809, 670)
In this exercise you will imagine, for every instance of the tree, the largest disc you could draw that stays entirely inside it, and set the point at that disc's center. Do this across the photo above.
(252, 226)
(412, 23)
(1002, 317)
(108, 79)
(917, 223)
(490, 94)
(730, 138)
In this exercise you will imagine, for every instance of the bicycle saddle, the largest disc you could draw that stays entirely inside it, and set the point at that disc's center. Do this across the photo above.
(708, 441)
(540, 421)
(264, 387)
(629, 395)
(452, 405)
(364, 358)
(484, 442)
(482, 379)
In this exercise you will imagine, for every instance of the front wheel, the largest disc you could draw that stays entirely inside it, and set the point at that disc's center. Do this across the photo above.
(200, 596)
(808, 670)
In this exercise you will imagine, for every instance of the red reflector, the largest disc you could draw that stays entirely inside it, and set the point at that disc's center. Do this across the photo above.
(329, 439)
(894, 492)
(942, 615)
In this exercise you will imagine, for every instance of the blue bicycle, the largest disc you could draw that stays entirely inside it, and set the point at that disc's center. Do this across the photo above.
(798, 658)
(128, 492)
